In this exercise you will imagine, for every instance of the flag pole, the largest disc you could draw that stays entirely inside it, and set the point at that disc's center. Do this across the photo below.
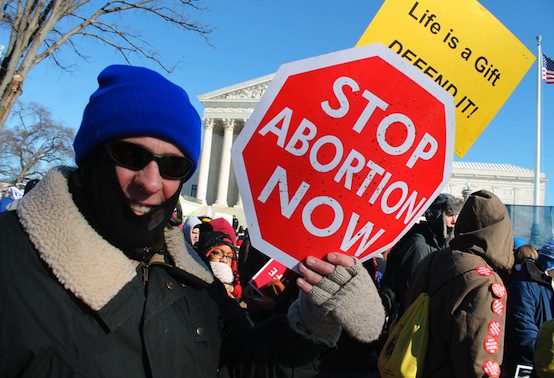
(535, 230)
(538, 136)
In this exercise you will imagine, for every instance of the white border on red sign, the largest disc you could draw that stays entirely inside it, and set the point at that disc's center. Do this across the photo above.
(335, 58)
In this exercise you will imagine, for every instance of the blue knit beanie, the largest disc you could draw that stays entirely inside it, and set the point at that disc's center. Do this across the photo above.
(135, 101)
(546, 256)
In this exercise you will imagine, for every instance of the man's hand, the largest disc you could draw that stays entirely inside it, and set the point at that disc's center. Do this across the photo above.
(336, 293)
(313, 269)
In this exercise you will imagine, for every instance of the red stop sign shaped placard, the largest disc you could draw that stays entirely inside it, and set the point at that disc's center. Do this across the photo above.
(343, 153)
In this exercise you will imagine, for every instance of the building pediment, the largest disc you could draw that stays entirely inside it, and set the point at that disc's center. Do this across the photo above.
(251, 90)
(236, 101)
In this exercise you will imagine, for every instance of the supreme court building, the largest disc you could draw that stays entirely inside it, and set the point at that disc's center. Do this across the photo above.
(227, 109)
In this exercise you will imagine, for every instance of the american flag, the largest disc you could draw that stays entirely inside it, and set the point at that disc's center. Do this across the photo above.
(547, 69)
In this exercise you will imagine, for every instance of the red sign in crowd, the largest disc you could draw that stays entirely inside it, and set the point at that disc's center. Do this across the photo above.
(272, 270)
(343, 153)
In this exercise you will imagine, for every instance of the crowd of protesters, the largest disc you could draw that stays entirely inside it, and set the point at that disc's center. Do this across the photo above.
(104, 276)
(485, 281)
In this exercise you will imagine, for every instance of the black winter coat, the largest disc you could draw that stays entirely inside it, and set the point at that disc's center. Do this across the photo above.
(403, 260)
(72, 305)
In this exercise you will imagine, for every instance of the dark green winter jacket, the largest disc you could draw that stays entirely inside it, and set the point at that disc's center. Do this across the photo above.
(72, 305)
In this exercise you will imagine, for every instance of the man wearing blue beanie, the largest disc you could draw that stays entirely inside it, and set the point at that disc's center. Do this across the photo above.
(98, 283)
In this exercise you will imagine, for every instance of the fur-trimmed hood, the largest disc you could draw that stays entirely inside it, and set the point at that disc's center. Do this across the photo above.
(82, 261)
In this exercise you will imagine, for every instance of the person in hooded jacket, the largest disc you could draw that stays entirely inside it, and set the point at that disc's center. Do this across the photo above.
(97, 283)
(432, 234)
(530, 304)
(467, 294)
(191, 231)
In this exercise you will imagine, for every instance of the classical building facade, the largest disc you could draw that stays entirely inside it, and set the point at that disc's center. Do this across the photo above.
(227, 109)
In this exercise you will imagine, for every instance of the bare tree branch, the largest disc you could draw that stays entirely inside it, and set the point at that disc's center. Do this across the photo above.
(40, 28)
(33, 145)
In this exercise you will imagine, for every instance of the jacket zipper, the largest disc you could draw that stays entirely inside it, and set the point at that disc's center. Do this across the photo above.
(145, 265)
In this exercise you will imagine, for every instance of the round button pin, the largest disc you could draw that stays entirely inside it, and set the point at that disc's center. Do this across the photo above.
(495, 329)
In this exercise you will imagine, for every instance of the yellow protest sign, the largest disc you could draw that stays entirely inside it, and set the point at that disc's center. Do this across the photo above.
(463, 48)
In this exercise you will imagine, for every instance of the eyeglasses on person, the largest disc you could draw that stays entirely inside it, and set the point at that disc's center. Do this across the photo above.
(135, 157)
(221, 255)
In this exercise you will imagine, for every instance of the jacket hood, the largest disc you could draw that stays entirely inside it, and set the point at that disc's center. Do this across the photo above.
(484, 228)
(530, 270)
(82, 261)
(188, 225)
(222, 225)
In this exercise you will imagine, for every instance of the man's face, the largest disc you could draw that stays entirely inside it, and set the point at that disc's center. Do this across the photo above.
(145, 188)
(450, 220)
(194, 235)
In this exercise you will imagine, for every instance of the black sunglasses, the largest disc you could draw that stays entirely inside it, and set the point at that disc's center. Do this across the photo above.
(133, 156)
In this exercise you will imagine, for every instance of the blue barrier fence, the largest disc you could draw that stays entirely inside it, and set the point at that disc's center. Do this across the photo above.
(533, 223)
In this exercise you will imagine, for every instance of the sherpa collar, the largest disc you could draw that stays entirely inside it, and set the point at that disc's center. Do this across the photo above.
(82, 261)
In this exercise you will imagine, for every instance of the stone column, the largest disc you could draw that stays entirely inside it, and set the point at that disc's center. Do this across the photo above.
(204, 165)
(239, 202)
(225, 165)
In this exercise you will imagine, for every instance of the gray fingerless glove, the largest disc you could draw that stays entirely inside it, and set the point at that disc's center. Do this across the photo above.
(312, 321)
(356, 305)
(346, 298)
